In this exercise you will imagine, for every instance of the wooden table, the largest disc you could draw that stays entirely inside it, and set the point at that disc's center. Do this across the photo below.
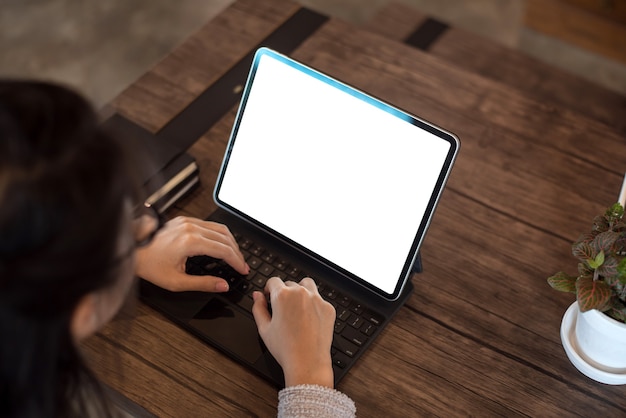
(542, 153)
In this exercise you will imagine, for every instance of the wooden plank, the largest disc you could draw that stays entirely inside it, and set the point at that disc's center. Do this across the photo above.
(151, 101)
(611, 9)
(199, 61)
(535, 78)
(494, 288)
(395, 21)
(576, 26)
(498, 62)
(418, 365)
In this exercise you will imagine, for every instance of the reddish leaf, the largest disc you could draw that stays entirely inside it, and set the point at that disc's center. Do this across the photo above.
(609, 267)
(584, 270)
(586, 238)
(600, 223)
(620, 244)
(584, 251)
(618, 315)
(563, 282)
(605, 241)
(592, 294)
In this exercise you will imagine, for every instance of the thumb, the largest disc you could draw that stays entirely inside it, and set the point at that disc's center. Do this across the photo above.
(260, 312)
(186, 282)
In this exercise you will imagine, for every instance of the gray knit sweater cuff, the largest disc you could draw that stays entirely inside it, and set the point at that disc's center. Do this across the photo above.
(314, 401)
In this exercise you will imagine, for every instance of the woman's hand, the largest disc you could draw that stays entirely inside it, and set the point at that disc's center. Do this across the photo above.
(299, 332)
(162, 262)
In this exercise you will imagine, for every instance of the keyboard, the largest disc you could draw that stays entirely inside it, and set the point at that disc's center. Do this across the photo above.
(355, 323)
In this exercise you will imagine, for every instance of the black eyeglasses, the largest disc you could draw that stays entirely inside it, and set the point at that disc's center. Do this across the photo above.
(147, 221)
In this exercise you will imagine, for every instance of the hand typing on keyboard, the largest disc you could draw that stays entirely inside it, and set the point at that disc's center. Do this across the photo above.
(163, 261)
(299, 332)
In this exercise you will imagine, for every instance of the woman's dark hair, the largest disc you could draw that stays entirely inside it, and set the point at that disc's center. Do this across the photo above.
(63, 184)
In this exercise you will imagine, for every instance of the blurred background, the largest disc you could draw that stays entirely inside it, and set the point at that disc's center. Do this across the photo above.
(100, 47)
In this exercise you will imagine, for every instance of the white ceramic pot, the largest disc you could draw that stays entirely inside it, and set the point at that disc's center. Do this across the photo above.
(595, 344)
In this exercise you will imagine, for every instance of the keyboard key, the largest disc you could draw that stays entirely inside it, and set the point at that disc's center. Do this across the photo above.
(373, 318)
(266, 270)
(293, 271)
(339, 362)
(339, 326)
(343, 300)
(254, 263)
(257, 250)
(357, 308)
(253, 289)
(367, 328)
(243, 287)
(281, 265)
(233, 280)
(354, 336)
(343, 314)
(355, 321)
(259, 280)
(344, 346)
(268, 257)
(245, 244)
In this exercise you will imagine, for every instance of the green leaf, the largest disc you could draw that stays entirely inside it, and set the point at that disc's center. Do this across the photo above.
(563, 282)
(592, 294)
(621, 271)
(583, 251)
(615, 212)
(597, 261)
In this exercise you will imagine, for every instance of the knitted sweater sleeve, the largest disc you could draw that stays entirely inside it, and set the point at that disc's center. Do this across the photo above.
(314, 401)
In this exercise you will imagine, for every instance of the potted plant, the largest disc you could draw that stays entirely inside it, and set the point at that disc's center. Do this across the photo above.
(593, 330)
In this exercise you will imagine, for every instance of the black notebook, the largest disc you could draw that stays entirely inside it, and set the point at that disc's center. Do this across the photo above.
(321, 180)
(167, 171)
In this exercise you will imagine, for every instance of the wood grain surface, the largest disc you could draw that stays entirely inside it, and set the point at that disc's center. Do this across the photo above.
(500, 63)
(480, 334)
(599, 31)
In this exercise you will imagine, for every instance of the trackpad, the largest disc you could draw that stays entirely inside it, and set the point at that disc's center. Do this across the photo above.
(226, 326)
